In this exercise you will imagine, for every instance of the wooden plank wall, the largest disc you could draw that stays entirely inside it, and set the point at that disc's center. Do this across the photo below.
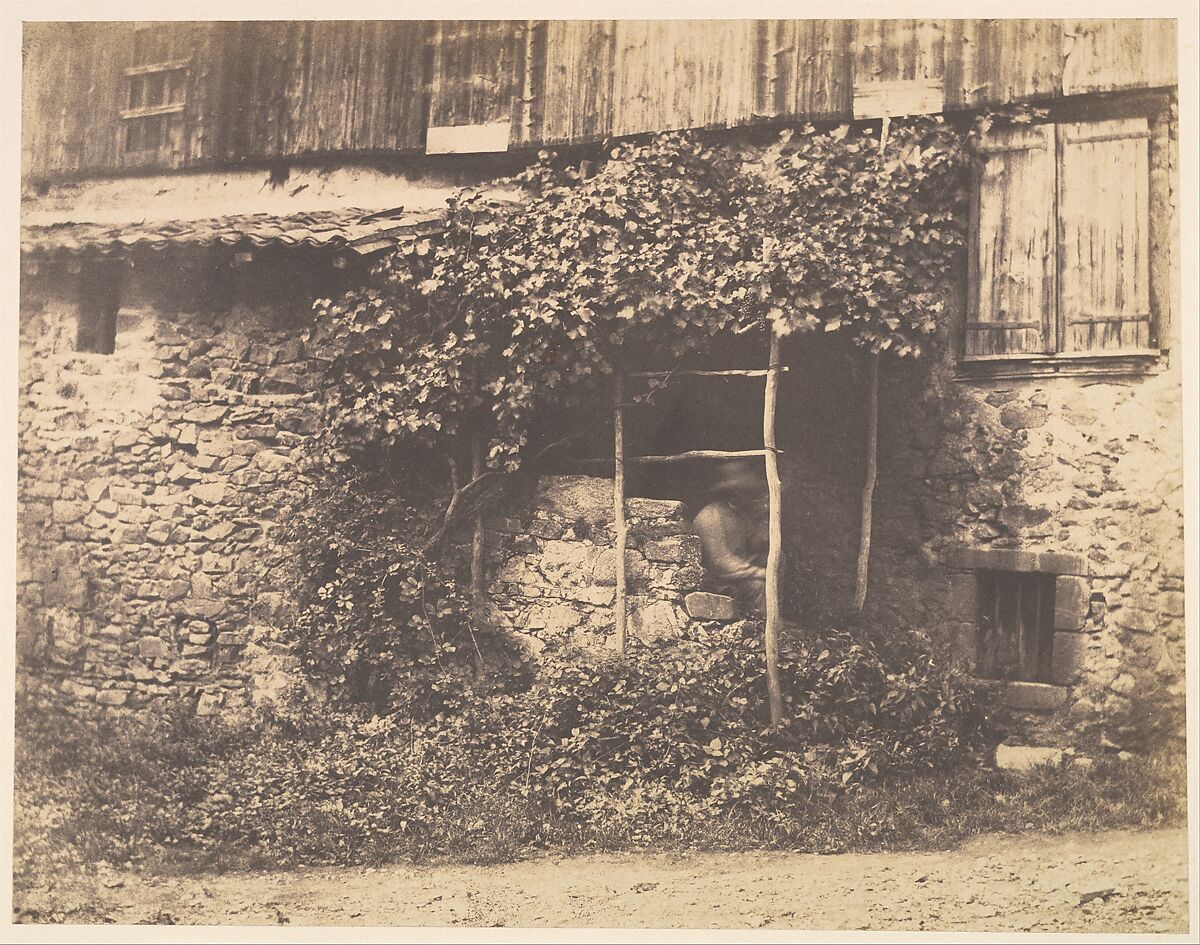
(260, 91)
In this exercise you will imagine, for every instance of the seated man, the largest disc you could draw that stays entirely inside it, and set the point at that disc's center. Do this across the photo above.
(733, 533)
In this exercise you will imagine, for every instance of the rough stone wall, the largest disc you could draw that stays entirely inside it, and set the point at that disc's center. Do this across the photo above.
(151, 481)
(1078, 477)
(555, 568)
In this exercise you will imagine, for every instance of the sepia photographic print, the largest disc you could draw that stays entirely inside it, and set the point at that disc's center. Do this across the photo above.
(658, 472)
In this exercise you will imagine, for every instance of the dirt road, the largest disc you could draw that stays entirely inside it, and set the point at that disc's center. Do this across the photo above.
(1108, 882)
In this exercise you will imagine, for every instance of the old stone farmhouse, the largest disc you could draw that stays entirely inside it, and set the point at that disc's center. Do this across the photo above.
(191, 188)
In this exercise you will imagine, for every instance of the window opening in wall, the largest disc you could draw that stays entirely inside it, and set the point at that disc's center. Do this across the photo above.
(99, 298)
(1016, 625)
(155, 90)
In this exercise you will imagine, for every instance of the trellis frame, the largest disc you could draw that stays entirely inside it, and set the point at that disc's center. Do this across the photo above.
(770, 455)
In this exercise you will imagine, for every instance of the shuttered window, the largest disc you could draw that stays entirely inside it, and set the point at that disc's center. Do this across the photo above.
(1104, 236)
(1060, 244)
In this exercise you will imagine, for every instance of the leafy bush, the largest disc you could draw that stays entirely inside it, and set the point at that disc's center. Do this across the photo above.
(658, 742)
(381, 622)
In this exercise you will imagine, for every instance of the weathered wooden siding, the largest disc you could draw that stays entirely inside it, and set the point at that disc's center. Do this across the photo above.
(260, 91)
(803, 68)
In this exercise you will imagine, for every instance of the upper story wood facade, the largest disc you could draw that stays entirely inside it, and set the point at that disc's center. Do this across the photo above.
(106, 98)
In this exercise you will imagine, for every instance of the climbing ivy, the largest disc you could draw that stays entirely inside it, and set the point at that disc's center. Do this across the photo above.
(659, 251)
(463, 347)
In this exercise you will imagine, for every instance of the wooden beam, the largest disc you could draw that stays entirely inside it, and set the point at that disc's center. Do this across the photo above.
(478, 588)
(738, 373)
(696, 454)
(775, 535)
(622, 532)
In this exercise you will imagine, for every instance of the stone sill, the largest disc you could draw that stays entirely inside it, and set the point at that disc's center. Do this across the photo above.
(1002, 368)
(1027, 696)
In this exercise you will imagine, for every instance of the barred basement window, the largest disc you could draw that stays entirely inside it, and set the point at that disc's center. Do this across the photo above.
(155, 91)
(1016, 625)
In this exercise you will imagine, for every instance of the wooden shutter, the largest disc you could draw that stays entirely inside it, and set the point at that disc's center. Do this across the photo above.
(1012, 266)
(1104, 235)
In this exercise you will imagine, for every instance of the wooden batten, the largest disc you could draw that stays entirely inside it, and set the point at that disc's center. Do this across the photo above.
(620, 606)
(775, 537)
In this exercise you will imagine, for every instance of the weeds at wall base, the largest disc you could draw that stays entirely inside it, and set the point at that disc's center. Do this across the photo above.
(130, 797)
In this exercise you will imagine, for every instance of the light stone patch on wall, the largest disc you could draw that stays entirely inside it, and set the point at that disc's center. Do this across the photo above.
(555, 570)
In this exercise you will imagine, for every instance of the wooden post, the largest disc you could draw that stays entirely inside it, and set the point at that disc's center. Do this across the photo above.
(775, 534)
(868, 493)
(478, 589)
(619, 605)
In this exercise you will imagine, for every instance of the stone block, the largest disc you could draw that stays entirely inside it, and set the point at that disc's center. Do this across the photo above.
(994, 559)
(181, 472)
(596, 595)
(1137, 620)
(96, 489)
(153, 648)
(272, 461)
(69, 511)
(651, 620)
(204, 414)
(1070, 656)
(553, 618)
(1024, 758)
(209, 703)
(77, 691)
(1018, 416)
(964, 596)
(654, 509)
(964, 645)
(1015, 559)
(208, 492)
(1072, 598)
(568, 562)
(112, 697)
(1033, 697)
(575, 498)
(206, 608)
(124, 495)
(159, 532)
(674, 549)
(605, 570)
(1057, 562)
(702, 605)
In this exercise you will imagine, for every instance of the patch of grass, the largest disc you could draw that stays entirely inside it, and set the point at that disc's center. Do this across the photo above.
(185, 795)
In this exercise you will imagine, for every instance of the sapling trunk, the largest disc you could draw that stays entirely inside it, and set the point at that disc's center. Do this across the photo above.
(868, 492)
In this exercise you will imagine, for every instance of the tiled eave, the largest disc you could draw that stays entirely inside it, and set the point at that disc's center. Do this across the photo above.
(351, 230)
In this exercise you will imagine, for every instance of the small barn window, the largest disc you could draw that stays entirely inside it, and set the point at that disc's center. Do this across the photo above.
(1016, 625)
(155, 90)
(1060, 263)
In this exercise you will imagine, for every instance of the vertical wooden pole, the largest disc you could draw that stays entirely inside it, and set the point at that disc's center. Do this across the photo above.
(775, 534)
(868, 493)
(478, 590)
(622, 536)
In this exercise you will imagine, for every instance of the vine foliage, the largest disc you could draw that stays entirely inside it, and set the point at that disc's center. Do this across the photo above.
(506, 325)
